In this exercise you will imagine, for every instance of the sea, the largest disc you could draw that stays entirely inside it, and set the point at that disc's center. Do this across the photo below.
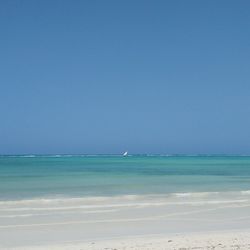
(25, 177)
(52, 199)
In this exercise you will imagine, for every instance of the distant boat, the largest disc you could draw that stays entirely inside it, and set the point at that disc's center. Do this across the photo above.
(125, 153)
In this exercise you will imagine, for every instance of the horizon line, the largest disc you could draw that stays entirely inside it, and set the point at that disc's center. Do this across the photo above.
(121, 154)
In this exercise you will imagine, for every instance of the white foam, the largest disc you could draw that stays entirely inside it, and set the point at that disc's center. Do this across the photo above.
(198, 194)
(27, 156)
(122, 200)
(246, 192)
(57, 213)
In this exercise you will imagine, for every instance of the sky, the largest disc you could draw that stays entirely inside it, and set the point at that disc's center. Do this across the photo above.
(103, 77)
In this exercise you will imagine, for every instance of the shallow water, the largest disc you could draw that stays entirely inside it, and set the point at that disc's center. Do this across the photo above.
(29, 177)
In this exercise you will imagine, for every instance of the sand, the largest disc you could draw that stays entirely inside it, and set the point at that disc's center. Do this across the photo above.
(125, 223)
(209, 240)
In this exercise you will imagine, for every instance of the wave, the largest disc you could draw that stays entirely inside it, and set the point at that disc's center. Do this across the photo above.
(56, 213)
(27, 156)
(142, 204)
(246, 192)
(169, 198)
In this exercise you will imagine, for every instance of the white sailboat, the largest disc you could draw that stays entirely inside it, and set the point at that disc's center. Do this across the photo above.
(125, 153)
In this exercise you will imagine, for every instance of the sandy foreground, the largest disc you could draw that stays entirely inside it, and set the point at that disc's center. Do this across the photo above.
(219, 240)
(199, 221)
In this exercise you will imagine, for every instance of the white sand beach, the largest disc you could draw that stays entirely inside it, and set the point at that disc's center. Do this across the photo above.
(180, 221)
(219, 240)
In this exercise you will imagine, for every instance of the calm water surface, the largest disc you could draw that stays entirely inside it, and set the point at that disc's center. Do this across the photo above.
(25, 177)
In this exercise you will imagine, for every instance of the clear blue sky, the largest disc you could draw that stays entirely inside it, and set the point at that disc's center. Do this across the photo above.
(108, 76)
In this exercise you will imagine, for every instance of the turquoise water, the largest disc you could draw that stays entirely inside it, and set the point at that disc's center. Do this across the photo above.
(23, 177)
